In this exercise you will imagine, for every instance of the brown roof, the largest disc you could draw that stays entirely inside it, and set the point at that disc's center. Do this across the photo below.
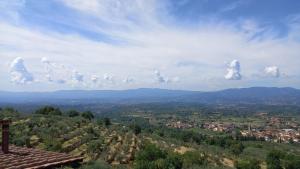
(28, 158)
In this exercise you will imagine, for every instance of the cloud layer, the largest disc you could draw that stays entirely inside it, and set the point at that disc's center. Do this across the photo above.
(106, 44)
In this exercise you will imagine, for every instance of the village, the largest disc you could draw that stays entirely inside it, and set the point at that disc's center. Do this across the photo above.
(276, 129)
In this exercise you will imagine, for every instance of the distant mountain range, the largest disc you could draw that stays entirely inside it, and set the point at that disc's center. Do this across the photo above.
(254, 95)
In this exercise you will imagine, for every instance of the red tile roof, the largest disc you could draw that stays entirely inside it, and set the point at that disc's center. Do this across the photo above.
(28, 158)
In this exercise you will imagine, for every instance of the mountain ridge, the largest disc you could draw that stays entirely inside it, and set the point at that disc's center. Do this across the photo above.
(266, 95)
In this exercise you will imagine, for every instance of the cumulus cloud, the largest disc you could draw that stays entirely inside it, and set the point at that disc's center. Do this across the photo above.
(159, 78)
(272, 71)
(77, 77)
(19, 73)
(94, 79)
(128, 80)
(58, 73)
(145, 50)
(108, 78)
(163, 79)
(233, 71)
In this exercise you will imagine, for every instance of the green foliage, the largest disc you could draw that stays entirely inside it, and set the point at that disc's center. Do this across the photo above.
(273, 159)
(97, 165)
(48, 110)
(73, 113)
(136, 129)
(151, 152)
(87, 115)
(107, 121)
(151, 157)
(53, 145)
(237, 148)
(99, 122)
(291, 161)
(194, 158)
(21, 141)
(278, 160)
(9, 113)
(247, 164)
(95, 146)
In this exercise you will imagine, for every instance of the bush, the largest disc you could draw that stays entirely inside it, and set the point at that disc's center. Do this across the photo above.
(107, 121)
(87, 115)
(73, 113)
(273, 159)
(96, 165)
(136, 129)
(237, 148)
(48, 110)
(9, 113)
(151, 157)
(194, 158)
(247, 164)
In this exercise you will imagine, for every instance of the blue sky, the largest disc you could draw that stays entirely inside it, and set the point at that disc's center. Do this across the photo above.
(121, 44)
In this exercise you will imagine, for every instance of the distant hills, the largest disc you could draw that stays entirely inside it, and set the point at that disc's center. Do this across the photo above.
(254, 95)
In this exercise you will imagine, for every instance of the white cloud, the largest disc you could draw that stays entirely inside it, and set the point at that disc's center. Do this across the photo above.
(149, 43)
(108, 78)
(233, 71)
(159, 78)
(272, 71)
(19, 73)
(77, 77)
(57, 73)
(175, 79)
(128, 80)
(94, 78)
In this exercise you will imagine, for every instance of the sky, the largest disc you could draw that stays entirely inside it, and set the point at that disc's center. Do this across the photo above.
(202, 45)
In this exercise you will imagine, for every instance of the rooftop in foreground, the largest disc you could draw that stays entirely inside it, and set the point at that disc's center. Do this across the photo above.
(28, 158)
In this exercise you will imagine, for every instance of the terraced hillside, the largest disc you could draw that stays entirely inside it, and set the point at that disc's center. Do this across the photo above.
(114, 144)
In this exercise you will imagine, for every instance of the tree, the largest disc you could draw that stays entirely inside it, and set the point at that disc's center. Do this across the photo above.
(151, 157)
(291, 161)
(95, 147)
(107, 121)
(87, 115)
(194, 158)
(9, 113)
(237, 148)
(273, 159)
(136, 129)
(73, 113)
(48, 110)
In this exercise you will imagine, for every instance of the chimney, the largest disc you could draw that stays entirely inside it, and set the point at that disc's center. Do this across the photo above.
(5, 135)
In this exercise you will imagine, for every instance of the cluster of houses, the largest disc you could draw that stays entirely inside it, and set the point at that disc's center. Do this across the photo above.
(181, 124)
(275, 129)
(221, 127)
(274, 135)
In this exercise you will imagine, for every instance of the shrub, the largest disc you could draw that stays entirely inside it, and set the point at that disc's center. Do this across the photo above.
(136, 129)
(49, 110)
(273, 159)
(87, 115)
(194, 158)
(73, 113)
(247, 164)
(107, 121)
(151, 157)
